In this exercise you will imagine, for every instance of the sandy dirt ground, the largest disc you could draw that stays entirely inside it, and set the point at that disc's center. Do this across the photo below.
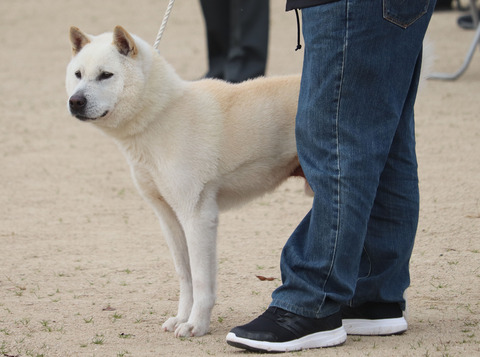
(84, 270)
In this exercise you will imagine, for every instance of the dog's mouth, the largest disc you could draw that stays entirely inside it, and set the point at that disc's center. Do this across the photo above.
(85, 118)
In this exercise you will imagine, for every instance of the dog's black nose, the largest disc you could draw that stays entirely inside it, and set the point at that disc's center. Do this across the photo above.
(77, 103)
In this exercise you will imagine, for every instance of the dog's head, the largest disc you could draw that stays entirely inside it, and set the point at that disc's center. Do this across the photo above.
(105, 76)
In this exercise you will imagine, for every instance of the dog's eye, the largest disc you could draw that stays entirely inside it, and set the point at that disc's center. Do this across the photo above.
(78, 74)
(105, 75)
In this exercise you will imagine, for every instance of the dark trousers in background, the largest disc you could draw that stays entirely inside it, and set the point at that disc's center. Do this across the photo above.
(237, 38)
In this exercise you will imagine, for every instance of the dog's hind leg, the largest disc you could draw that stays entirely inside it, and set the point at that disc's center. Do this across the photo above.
(201, 233)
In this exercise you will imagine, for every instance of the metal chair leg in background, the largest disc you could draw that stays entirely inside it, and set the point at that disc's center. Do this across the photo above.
(468, 57)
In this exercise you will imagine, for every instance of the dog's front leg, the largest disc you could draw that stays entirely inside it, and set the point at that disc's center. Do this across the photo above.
(201, 233)
(175, 238)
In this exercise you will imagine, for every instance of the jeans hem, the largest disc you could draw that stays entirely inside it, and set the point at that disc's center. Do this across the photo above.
(316, 314)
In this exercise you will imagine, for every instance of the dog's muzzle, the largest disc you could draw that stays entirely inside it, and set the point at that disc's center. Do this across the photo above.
(78, 104)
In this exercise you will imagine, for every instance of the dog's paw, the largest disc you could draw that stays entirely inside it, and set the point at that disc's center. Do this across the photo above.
(184, 330)
(172, 323)
(190, 330)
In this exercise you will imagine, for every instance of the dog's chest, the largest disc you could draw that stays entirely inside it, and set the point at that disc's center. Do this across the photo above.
(156, 178)
(144, 168)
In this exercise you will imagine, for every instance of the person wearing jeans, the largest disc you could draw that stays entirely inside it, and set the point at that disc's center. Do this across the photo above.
(346, 266)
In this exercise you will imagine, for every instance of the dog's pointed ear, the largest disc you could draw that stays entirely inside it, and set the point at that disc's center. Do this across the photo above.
(78, 39)
(124, 42)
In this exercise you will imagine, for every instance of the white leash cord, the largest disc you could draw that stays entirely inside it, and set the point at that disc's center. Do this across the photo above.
(164, 24)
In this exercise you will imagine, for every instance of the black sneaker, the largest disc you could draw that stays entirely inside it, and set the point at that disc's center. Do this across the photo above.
(374, 319)
(277, 330)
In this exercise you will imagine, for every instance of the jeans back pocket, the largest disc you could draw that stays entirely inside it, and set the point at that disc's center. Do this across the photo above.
(404, 12)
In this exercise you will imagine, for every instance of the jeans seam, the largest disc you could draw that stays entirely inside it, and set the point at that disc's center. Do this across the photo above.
(337, 137)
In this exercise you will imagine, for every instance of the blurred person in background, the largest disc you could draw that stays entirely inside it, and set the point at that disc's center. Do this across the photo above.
(237, 38)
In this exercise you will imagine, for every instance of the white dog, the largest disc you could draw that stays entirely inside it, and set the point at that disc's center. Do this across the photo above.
(193, 147)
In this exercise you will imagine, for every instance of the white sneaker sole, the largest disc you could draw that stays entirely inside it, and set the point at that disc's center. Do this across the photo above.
(315, 340)
(380, 327)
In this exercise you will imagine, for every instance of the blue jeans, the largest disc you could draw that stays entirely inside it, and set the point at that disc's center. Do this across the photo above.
(356, 144)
